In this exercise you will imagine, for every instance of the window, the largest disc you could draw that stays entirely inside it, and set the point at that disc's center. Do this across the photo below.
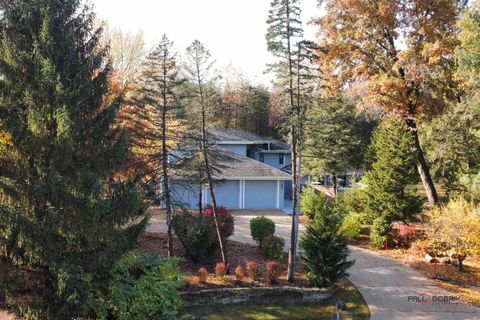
(262, 157)
(281, 159)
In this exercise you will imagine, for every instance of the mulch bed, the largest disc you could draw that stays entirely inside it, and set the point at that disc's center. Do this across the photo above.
(238, 254)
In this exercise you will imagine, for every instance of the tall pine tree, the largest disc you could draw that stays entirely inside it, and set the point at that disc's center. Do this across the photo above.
(64, 202)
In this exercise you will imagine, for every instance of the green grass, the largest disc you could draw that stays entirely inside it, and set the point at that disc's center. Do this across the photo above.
(356, 309)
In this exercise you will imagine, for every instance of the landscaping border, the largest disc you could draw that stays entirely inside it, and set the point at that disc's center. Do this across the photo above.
(271, 295)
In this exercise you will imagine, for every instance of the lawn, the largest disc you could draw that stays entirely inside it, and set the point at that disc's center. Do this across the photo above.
(356, 309)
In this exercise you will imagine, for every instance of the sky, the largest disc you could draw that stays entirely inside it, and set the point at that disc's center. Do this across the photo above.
(232, 30)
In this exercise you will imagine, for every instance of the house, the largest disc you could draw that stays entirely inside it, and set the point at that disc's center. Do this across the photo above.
(248, 173)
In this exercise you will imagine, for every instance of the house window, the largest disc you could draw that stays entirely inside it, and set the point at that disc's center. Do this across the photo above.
(262, 157)
(281, 159)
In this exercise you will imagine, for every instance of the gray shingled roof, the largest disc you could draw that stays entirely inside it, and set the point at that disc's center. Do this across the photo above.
(228, 134)
(234, 166)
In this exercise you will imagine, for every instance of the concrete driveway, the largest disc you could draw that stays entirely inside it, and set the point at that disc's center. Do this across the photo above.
(386, 284)
(283, 224)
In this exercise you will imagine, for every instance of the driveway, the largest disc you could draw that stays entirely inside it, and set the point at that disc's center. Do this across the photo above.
(385, 283)
(283, 224)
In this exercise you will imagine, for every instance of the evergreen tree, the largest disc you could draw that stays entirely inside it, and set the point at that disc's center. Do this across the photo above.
(159, 105)
(393, 168)
(336, 138)
(325, 250)
(66, 209)
(283, 33)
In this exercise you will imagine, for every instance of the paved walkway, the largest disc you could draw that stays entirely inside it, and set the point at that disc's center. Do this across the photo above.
(386, 285)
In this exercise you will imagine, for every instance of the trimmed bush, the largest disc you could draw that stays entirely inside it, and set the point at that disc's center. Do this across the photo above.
(197, 235)
(202, 275)
(226, 221)
(260, 228)
(380, 232)
(239, 273)
(220, 269)
(351, 225)
(272, 247)
(253, 269)
(145, 287)
(273, 271)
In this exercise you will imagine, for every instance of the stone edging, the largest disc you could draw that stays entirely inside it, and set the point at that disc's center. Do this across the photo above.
(255, 294)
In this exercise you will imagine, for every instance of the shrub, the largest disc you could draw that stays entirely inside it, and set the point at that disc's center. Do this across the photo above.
(272, 247)
(260, 228)
(226, 221)
(253, 269)
(353, 199)
(351, 225)
(456, 227)
(239, 273)
(380, 232)
(202, 275)
(220, 269)
(273, 271)
(311, 202)
(404, 235)
(196, 234)
(145, 287)
(325, 252)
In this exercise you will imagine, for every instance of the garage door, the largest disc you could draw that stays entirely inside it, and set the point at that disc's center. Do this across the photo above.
(260, 194)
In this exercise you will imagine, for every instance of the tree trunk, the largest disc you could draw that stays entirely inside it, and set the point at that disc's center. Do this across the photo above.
(165, 180)
(292, 252)
(208, 169)
(422, 165)
(335, 184)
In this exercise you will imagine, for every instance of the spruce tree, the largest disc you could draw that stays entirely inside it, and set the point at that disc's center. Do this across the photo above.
(325, 250)
(157, 110)
(283, 33)
(64, 202)
(392, 170)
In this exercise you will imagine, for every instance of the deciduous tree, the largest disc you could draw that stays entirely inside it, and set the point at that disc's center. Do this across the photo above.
(396, 54)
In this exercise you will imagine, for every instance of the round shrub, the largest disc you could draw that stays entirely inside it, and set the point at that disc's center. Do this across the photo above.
(202, 275)
(253, 269)
(272, 247)
(351, 225)
(273, 271)
(239, 273)
(260, 228)
(144, 287)
(196, 234)
(226, 221)
(220, 269)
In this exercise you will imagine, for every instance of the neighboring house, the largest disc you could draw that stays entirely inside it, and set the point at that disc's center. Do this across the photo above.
(248, 173)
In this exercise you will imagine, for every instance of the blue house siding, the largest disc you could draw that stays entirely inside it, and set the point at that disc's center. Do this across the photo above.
(240, 149)
(226, 194)
(273, 159)
(260, 194)
(184, 196)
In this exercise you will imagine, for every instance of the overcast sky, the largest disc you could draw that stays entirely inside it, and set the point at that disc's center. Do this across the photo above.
(233, 30)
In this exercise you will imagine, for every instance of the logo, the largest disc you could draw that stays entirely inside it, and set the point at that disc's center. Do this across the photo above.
(426, 298)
